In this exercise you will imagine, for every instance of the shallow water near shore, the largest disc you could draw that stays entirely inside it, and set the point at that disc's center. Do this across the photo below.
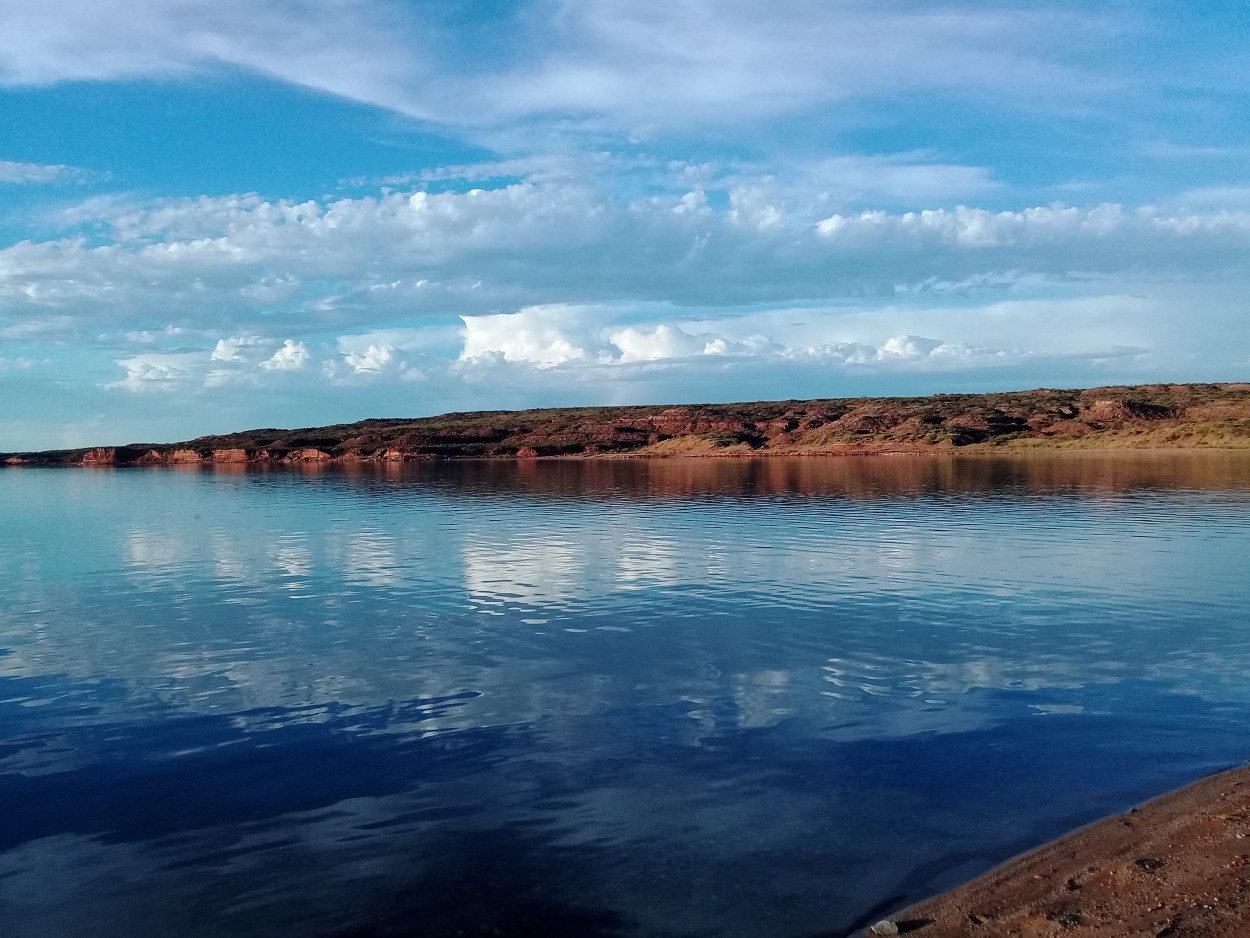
(618, 697)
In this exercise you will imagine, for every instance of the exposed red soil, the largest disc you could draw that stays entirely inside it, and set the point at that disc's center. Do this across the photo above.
(1154, 416)
(1177, 867)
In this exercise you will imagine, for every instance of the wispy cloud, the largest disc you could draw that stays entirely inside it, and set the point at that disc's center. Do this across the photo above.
(344, 47)
(1216, 198)
(649, 63)
(642, 64)
(17, 363)
(41, 173)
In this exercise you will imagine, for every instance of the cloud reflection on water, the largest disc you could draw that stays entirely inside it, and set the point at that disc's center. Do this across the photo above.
(936, 578)
(704, 666)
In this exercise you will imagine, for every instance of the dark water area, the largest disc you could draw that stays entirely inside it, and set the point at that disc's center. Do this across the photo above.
(607, 698)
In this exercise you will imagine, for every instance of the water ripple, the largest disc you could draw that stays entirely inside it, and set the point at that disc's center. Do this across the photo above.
(619, 697)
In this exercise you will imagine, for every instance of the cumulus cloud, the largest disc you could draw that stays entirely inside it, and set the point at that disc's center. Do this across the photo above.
(374, 359)
(579, 338)
(402, 256)
(400, 338)
(154, 372)
(665, 341)
(604, 342)
(605, 235)
(541, 335)
(292, 356)
(415, 285)
(908, 346)
(231, 349)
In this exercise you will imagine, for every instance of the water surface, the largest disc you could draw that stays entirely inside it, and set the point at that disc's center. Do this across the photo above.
(663, 698)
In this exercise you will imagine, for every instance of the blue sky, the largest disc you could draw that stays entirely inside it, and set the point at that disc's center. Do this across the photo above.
(241, 213)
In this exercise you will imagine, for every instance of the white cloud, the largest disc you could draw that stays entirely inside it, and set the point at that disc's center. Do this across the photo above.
(627, 64)
(906, 177)
(374, 359)
(400, 339)
(1216, 198)
(154, 336)
(230, 350)
(571, 340)
(373, 287)
(154, 372)
(610, 238)
(540, 167)
(344, 47)
(908, 346)
(541, 335)
(392, 259)
(292, 356)
(1095, 325)
(664, 341)
(39, 173)
(363, 361)
(648, 63)
(574, 338)
(693, 202)
(633, 354)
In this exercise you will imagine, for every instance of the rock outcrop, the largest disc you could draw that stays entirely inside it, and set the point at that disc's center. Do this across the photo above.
(100, 456)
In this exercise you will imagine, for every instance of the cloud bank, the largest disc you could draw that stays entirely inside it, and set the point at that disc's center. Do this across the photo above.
(217, 263)
(533, 287)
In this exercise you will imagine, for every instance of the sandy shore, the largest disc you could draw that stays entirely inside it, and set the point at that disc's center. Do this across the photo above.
(1176, 867)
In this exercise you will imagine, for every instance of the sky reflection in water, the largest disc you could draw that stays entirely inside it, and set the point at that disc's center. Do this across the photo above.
(703, 697)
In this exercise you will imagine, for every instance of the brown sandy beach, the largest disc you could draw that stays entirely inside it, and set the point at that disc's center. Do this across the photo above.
(1176, 867)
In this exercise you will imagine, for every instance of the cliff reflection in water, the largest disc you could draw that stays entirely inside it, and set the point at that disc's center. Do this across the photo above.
(665, 697)
(1088, 472)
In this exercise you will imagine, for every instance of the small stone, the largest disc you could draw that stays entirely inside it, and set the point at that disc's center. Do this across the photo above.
(884, 927)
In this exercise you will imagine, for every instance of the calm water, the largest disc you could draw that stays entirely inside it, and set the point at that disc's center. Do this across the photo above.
(675, 698)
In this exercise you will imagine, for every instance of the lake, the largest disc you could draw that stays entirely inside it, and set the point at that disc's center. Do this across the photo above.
(710, 697)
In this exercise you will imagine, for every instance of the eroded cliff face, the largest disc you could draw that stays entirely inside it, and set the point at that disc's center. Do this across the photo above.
(1132, 417)
(101, 456)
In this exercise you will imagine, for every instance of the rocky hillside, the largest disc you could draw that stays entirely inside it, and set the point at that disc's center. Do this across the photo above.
(1171, 416)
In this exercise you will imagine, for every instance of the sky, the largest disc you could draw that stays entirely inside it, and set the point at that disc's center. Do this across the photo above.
(227, 214)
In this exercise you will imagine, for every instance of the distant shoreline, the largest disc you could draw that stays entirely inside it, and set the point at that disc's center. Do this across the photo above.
(1143, 417)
